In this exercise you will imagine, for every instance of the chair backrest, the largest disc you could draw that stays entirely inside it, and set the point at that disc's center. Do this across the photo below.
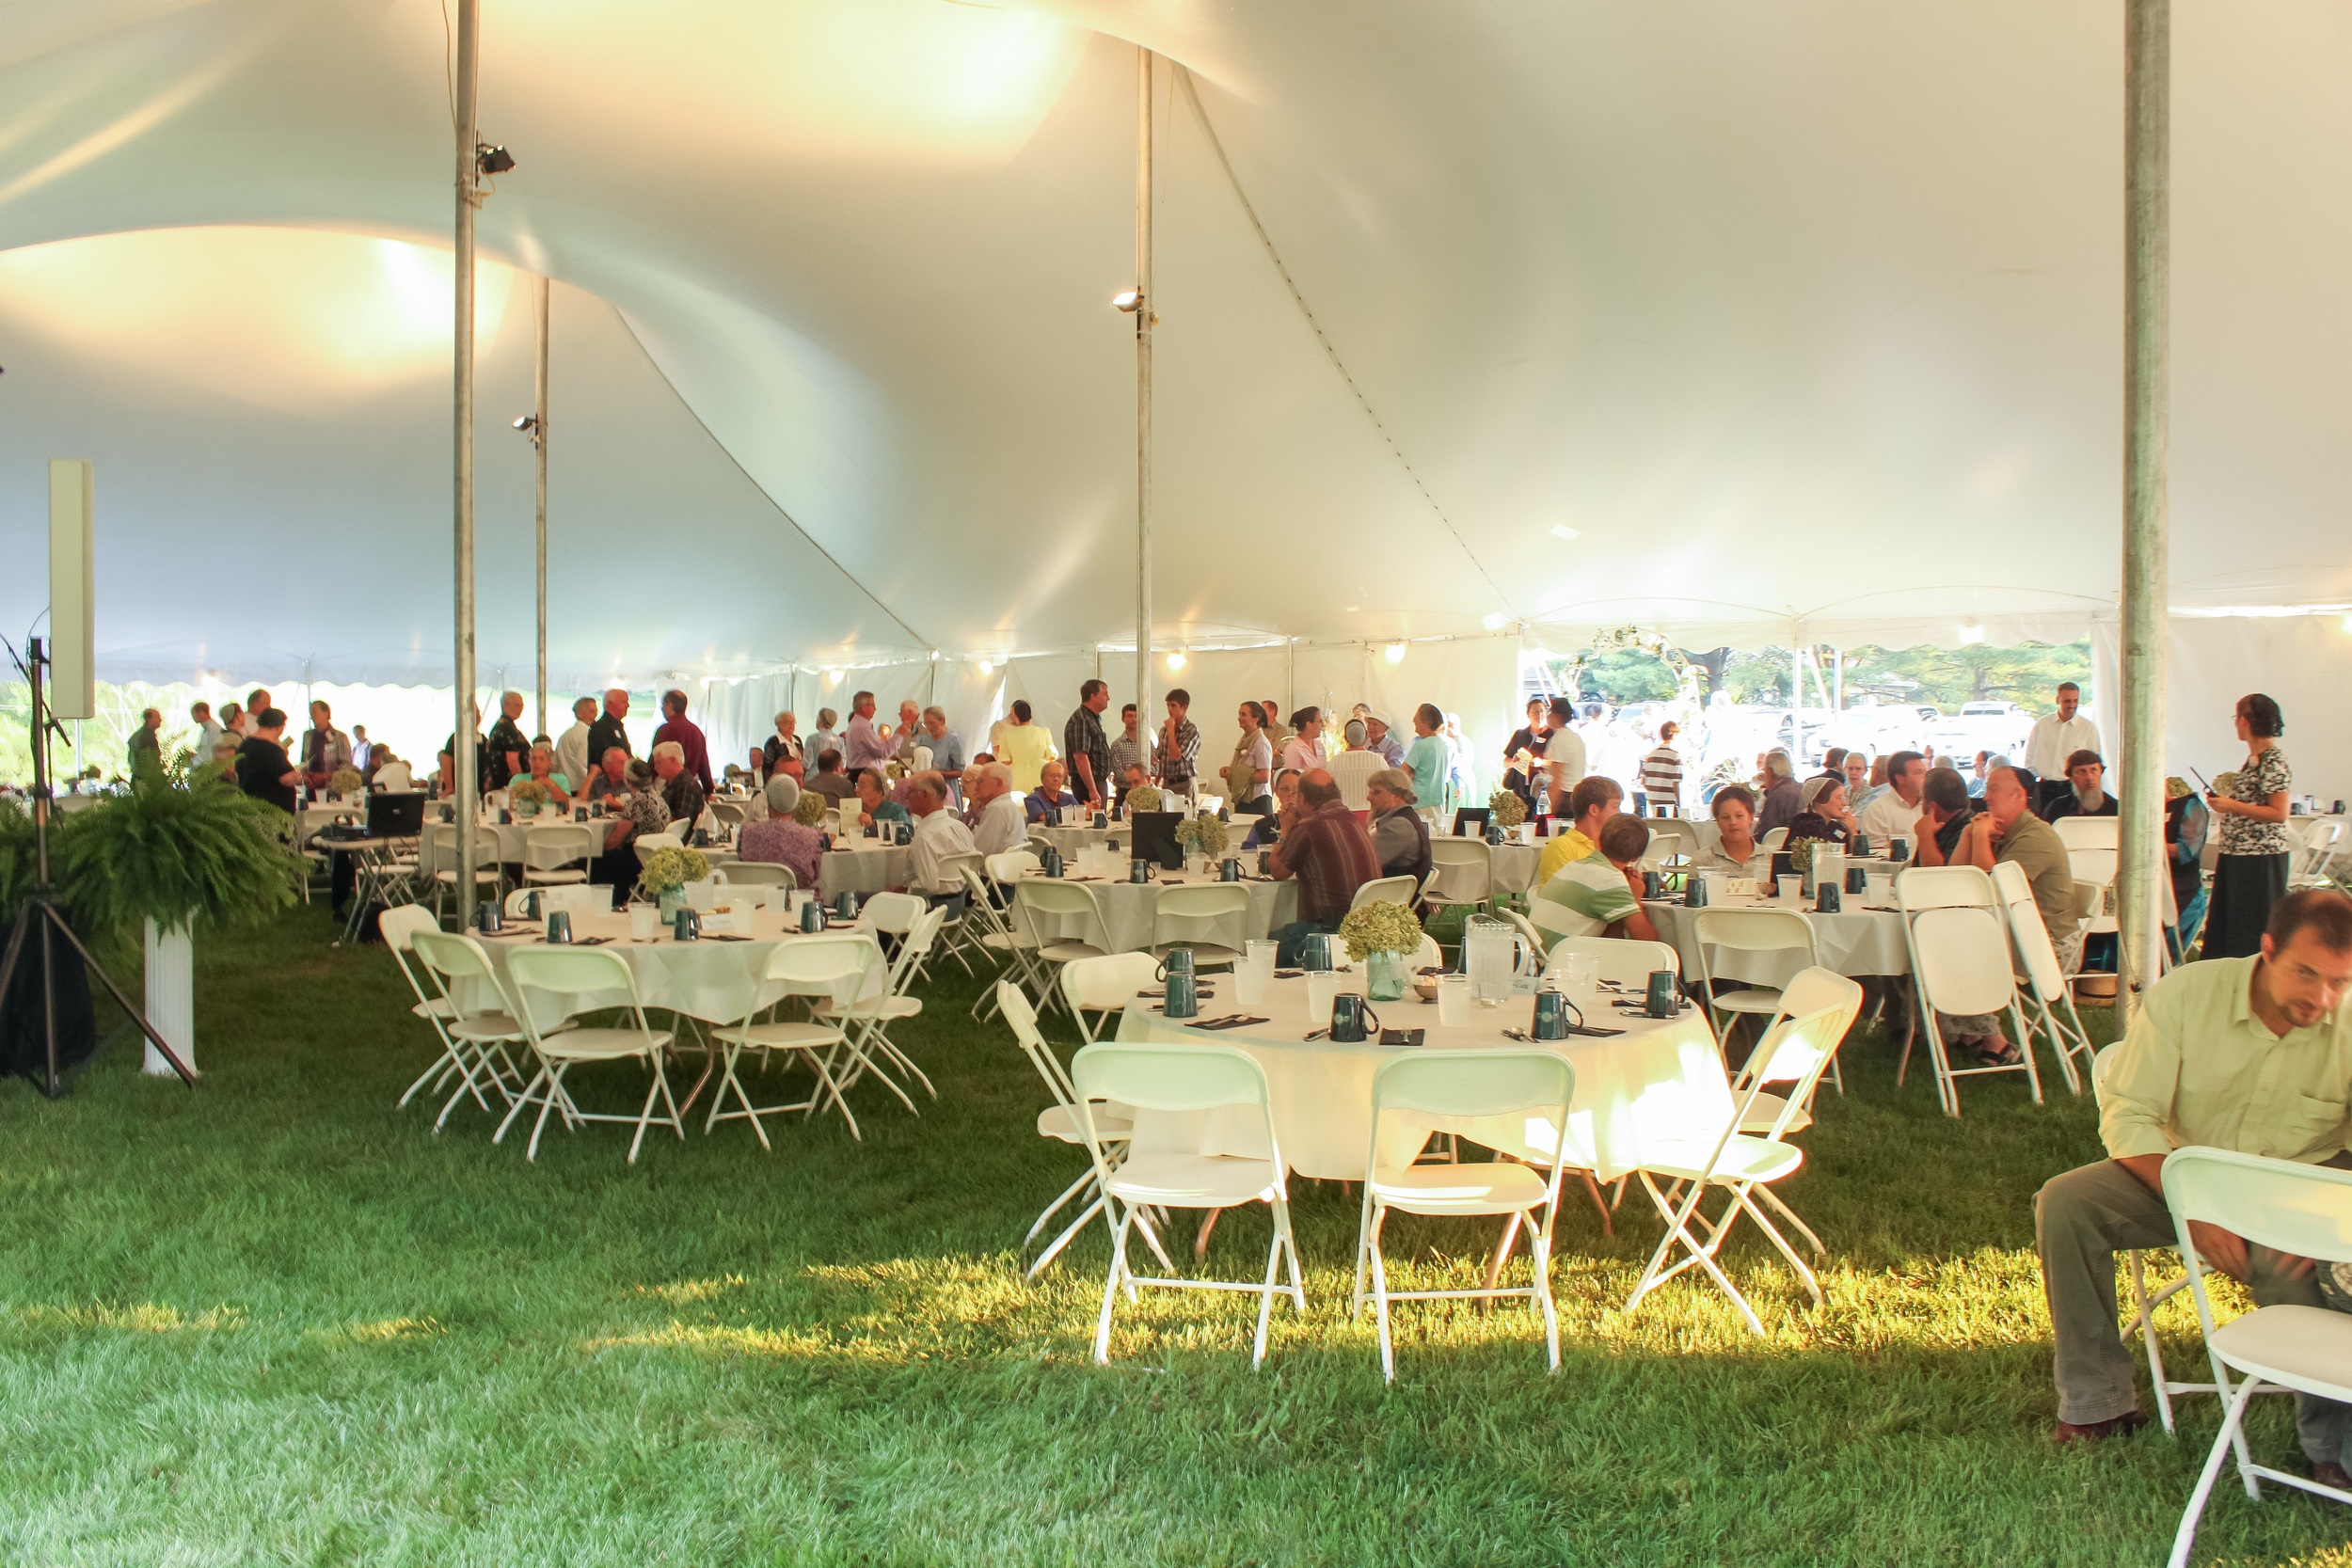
(1537, 937)
(647, 843)
(1212, 914)
(545, 848)
(454, 957)
(1754, 930)
(1386, 890)
(2087, 832)
(1007, 869)
(1958, 931)
(1796, 1051)
(1461, 869)
(806, 964)
(1475, 1084)
(1627, 960)
(2027, 931)
(1170, 1077)
(727, 812)
(575, 897)
(1429, 954)
(951, 867)
(2093, 865)
(569, 972)
(765, 873)
(401, 924)
(1052, 905)
(1108, 984)
(2305, 1210)
(1771, 843)
(894, 912)
(1014, 1003)
(1938, 887)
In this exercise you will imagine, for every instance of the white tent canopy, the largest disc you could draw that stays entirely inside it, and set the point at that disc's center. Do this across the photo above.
(1804, 319)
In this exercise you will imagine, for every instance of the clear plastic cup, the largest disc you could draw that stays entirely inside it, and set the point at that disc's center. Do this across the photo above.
(1321, 985)
(1250, 983)
(643, 921)
(1882, 890)
(1792, 889)
(1454, 1001)
(1260, 955)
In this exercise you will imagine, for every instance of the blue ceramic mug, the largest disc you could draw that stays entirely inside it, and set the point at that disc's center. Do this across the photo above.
(1315, 953)
(1183, 996)
(1350, 1019)
(1826, 899)
(1861, 849)
(487, 916)
(559, 925)
(812, 916)
(846, 906)
(1660, 1001)
(1694, 891)
(1139, 871)
(1857, 880)
(531, 905)
(1229, 870)
(687, 925)
(1551, 1016)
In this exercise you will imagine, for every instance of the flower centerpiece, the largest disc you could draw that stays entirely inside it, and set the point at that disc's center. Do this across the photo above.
(1385, 937)
(1144, 797)
(810, 809)
(666, 872)
(1509, 809)
(528, 796)
(346, 780)
(1203, 835)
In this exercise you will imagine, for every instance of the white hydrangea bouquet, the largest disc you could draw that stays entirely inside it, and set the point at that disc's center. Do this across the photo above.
(1205, 834)
(667, 870)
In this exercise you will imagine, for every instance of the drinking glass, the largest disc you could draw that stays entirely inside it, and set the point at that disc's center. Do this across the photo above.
(1321, 985)
(1881, 892)
(1250, 983)
(1454, 1001)
(1260, 955)
(1792, 889)
(643, 921)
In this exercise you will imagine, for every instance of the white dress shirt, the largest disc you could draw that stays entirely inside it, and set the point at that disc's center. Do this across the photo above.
(571, 756)
(1003, 825)
(937, 836)
(2052, 742)
(1563, 758)
(1888, 817)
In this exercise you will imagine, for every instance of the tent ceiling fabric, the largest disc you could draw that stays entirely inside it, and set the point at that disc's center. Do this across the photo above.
(1801, 315)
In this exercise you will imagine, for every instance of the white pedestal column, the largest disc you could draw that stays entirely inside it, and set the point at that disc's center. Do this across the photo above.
(170, 996)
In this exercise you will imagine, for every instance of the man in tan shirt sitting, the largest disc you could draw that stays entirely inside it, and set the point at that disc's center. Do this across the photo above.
(2252, 1054)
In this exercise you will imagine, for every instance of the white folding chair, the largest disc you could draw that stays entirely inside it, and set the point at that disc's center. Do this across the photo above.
(1796, 1051)
(1672, 839)
(728, 813)
(1774, 841)
(1957, 931)
(995, 938)
(841, 964)
(2315, 849)
(1461, 871)
(646, 844)
(2046, 982)
(2304, 1211)
(1386, 890)
(2097, 867)
(1749, 931)
(1465, 1084)
(570, 974)
(1180, 1079)
(558, 854)
(867, 1019)
(2088, 832)
(1212, 919)
(1048, 908)
(400, 926)
(442, 839)
(764, 872)
(1538, 941)
(575, 897)
(1062, 1122)
(1624, 961)
(956, 938)
(1104, 986)
(474, 1038)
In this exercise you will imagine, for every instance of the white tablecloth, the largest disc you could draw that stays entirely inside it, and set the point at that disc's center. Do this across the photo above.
(510, 837)
(707, 979)
(1660, 1080)
(1855, 941)
(1129, 909)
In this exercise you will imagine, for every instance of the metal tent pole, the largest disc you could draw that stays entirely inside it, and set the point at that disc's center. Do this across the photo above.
(539, 450)
(2147, 420)
(1143, 391)
(462, 750)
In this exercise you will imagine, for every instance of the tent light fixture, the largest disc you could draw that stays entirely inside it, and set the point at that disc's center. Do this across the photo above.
(1176, 661)
(527, 425)
(1561, 530)
(1395, 651)
(492, 160)
(2347, 622)
(986, 668)
(1971, 635)
(1492, 622)
(1131, 301)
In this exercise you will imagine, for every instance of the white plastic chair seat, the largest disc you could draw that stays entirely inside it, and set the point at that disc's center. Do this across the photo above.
(1192, 1180)
(600, 1045)
(485, 1026)
(1203, 952)
(876, 1007)
(1742, 1160)
(481, 873)
(1766, 1001)
(1060, 1121)
(435, 1006)
(572, 876)
(783, 1036)
(1069, 952)
(1500, 1188)
(1764, 1114)
(2308, 1349)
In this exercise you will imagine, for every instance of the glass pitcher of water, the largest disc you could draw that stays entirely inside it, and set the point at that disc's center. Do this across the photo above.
(1490, 955)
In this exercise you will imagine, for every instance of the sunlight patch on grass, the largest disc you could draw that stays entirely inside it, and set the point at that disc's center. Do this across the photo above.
(144, 1318)
(383, 1331)
(686, 1291)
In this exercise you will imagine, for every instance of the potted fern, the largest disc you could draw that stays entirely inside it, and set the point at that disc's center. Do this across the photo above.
(176, 853)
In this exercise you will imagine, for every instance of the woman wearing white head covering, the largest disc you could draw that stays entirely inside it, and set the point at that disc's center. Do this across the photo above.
(778, 839)
(1824, 816)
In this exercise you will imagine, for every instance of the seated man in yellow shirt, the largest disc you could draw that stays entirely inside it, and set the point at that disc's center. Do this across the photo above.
(2252, 1054)
(1592, 802)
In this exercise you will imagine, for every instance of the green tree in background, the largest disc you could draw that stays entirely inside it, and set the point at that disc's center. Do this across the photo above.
(2028, 674)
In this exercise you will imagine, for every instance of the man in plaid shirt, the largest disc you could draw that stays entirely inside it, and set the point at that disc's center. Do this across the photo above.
(1330, 855)
(1180, 744)
(1086, 748)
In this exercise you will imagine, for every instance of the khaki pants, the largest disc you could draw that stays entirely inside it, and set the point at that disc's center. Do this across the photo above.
(2081, 1220)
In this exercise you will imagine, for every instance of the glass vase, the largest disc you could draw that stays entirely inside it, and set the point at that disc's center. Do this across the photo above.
(1384, 976)
(672, 900)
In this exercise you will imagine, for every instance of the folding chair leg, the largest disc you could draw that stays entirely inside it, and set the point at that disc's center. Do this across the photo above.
(1265, 1296)
(1540, 1236)
(1110, 1287)
(2148, 1333)
(1592, 1188)
(1790, 1215)
(2185, 1537)
(1812, 1286)
(1380, 1298)
(1503, 1250)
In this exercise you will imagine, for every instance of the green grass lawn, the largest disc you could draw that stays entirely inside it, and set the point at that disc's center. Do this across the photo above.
(277, 1320)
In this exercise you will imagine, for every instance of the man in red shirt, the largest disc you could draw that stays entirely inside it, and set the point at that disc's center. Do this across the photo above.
(676, 726)
(1330, 855)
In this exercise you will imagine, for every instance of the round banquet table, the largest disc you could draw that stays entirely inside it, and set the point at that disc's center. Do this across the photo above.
(871, 866)
(1129, 908)
(1855, 941)
(1659, 1081)
(510, 836)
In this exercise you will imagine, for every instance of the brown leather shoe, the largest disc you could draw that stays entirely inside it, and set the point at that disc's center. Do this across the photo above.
(2090, 1431)
(2328, 1473)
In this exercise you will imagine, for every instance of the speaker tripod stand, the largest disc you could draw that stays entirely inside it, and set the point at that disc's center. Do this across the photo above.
(40, 921)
